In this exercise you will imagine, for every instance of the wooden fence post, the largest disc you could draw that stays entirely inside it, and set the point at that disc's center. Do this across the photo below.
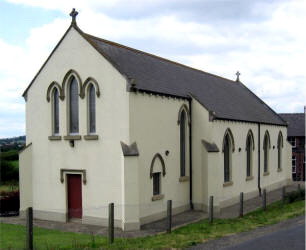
(111, 223)
(169, 216)
(29, 228)
(283, 193)
(264, 200)
(211, 209)
(241, 205)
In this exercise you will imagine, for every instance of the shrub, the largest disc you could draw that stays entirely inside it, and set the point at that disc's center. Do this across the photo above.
(11, 155)
(8, 172)
(9, 203)
(295, 196)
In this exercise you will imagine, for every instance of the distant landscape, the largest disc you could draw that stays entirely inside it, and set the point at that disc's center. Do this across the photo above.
(13, 143)
(9, 162)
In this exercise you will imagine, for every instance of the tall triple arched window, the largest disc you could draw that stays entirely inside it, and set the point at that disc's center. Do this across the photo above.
(55, 111)
(279, 150)
(91, 109)
(73, 100)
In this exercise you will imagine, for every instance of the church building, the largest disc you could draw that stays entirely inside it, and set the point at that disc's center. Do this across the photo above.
(109, 123)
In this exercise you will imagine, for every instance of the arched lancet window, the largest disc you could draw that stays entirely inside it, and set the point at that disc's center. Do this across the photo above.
(91, 109)
(183, 142)
(156, 170)
(227, 159)
(249, 152)
(228, 148)
(279, 150)
(73, 106)
(55, 111)
(266, 147)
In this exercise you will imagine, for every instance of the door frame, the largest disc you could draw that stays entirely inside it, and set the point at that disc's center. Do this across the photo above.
(64, 179)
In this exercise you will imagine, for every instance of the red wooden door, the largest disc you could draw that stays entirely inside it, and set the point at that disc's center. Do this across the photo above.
(74, 186)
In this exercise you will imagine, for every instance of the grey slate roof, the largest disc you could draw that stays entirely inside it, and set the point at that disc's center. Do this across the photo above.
(296, 123)
(228, 99)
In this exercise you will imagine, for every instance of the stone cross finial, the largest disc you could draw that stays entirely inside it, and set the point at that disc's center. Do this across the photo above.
(238, 74)
(73, 14)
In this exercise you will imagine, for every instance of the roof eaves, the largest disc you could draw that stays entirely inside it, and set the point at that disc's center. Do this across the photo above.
(249, 121)
(160, 93)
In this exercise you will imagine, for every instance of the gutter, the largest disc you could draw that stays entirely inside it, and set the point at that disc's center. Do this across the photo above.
(190, 155)
(258, 180)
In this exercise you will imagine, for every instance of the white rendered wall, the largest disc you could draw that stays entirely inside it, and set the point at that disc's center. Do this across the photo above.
(226, 195)
(101, 158)
(25, 178)
(208, 167)
(153, 125)
(201, 129)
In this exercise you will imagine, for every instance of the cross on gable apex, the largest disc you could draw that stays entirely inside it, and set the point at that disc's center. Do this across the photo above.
(73, 15)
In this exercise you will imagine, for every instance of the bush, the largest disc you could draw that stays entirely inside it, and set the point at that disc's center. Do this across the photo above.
(295, 196)
(9, 203)
(11, 155)
(8, 172)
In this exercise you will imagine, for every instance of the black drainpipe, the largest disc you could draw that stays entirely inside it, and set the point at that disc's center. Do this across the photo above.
(190, 155)
(259, 188)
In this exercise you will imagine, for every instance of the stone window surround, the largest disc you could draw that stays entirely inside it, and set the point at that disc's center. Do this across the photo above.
(280, 145)
(82, 91)
(158, 155)
(183, 108)
(266, 137)
(228, 133)
(250, 135)
(65, 171)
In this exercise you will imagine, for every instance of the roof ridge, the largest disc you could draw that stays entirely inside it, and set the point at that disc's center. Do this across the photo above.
(264, 103)
(155, 56)
(302, 113)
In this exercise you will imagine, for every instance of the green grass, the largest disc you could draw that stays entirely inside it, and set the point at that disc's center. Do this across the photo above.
(13, 236)
(9, 186)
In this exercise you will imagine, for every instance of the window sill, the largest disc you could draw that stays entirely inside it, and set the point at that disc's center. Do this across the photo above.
(249, 178)
(228, 183)
(54, 137)
(91, 137)
(266, 173)
(279, 170)
(157, 197)
(184, 178)
(72, 137)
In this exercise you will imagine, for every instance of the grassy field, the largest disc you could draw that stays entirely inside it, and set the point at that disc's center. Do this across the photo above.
(9, 186)
(13, 236)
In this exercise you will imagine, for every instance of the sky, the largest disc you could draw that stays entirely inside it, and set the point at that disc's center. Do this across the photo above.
(265, 40)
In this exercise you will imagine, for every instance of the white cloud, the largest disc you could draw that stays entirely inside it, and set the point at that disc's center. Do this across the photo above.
(270, 52)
